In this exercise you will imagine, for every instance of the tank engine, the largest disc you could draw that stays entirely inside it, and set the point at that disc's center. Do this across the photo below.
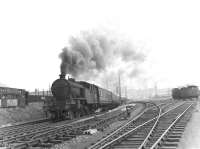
(77, 98)
(188, 92)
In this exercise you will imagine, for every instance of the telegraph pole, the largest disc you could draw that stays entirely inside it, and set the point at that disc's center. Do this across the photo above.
(156, 89)
(119, 87)
(126, 91)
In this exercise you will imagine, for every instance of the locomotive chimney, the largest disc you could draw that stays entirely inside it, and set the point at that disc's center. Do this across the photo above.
(62, 76)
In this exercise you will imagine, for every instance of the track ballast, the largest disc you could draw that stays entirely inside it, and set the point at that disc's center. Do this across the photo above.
(150, 130)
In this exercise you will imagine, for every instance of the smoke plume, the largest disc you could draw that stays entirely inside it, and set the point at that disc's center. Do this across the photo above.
(91, 53)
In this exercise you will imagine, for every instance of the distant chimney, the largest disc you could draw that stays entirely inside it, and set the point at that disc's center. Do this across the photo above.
(62, 76)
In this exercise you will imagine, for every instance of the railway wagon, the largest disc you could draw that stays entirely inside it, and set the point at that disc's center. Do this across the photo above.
(12, 97)
(176, 93)
(187, 92)
(77, 98)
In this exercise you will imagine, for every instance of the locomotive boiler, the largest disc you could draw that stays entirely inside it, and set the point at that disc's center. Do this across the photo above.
(77, 98)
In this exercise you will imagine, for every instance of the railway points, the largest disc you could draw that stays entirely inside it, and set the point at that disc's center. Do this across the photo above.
(148, 133)
(106, 121)
(52, 135)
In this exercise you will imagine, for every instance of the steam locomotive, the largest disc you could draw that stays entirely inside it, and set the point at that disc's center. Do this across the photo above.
(77, 98)
(188, 92)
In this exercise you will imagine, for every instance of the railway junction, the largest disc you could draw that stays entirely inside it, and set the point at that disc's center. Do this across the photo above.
(99, 74)
(158, 124)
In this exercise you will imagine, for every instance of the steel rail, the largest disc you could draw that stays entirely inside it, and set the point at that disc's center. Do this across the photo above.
(167, 130)
(158, 117)
(41, 136)
(156, 123)
(124, 127)
(25, 123)
(127, 133)
(30, 129)
(101, 141)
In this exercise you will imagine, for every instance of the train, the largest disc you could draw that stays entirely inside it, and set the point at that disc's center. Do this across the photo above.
(72, 99)
(183, 93)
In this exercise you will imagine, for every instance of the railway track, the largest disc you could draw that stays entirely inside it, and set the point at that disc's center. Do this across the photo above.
(151, 112)
(17, 127)
(26, 127)
(172, 134)
(155, 128)
(44, 135)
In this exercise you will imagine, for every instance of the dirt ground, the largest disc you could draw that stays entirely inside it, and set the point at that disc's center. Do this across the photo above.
(33, 111)
(191, 135)
(84, 141)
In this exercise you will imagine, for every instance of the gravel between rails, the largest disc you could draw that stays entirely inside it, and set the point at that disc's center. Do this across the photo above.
(84, 141)
(20, 140)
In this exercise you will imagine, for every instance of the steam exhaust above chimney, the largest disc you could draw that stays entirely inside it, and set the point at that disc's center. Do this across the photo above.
(62, 76)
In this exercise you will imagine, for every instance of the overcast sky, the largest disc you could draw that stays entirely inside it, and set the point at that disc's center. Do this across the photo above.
(32, 34)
